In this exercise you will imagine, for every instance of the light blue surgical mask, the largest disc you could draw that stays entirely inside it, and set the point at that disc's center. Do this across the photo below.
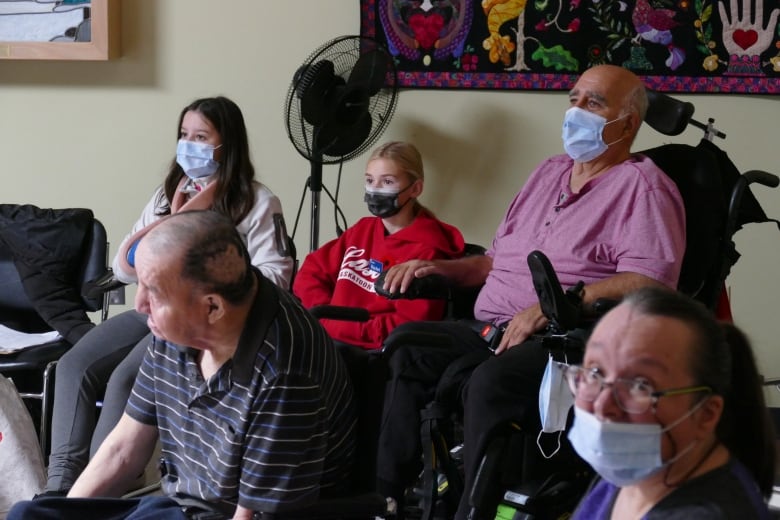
(555, 400)
(196, 159)
(583, 134)
(623, 453)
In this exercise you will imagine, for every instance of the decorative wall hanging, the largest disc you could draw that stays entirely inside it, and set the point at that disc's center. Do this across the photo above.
(674, 45)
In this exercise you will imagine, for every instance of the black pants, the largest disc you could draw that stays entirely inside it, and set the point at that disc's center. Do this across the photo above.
(415, 370)
(503, 388)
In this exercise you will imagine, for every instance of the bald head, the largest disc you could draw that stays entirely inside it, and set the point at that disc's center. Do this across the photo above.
(206, 250)
(617, 84)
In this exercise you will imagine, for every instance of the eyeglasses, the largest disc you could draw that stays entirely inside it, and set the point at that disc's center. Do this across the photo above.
(632, 395)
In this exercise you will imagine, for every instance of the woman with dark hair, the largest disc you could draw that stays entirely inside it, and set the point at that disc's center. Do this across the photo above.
(212, 170)
(669, 411)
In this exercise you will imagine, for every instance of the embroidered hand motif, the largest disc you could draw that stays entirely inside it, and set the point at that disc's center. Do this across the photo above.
(745, 38)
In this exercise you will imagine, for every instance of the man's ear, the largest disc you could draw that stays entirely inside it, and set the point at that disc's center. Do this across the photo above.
(215, 307)
(632, 124)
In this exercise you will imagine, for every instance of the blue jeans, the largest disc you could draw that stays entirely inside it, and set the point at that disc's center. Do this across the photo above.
(57, 508)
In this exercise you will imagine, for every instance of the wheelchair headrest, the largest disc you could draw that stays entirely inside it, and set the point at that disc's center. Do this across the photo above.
(666, 114)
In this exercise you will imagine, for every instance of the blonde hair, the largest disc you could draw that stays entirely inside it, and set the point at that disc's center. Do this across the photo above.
(405, 155)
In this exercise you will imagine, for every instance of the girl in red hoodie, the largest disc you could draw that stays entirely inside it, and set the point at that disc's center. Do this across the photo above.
(343, 271)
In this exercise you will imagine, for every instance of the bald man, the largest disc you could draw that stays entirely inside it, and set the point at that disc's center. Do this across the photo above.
(601, 214)
(251, 402)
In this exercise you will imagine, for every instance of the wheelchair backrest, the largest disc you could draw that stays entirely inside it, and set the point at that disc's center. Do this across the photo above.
(706, 178)
(695, 171)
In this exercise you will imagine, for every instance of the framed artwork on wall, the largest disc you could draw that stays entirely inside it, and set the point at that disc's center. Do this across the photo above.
(59, 29)
(712, 46)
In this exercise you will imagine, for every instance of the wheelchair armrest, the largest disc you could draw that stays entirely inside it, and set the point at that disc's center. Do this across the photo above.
(602, 306)
(339, 312)
(761, 177)
(433, 287)
(563, 309)
(96, 287)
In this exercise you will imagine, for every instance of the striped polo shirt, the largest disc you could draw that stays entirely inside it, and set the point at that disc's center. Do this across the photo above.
(272, 429)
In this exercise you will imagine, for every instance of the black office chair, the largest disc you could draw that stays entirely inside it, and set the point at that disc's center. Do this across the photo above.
(46, 257)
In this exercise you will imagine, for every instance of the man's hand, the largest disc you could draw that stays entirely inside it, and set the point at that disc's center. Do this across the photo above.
(242, 513)
(521, 326)
(399, 277)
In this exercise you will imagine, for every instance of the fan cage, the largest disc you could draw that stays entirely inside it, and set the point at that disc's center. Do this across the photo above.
(343, 52)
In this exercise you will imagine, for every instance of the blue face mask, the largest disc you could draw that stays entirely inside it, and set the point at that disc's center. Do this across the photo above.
(583, 134)
(622, 453)
(196, 159)
(555, 399)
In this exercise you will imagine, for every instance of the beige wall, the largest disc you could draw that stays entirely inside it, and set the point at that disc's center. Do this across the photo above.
(100, 135)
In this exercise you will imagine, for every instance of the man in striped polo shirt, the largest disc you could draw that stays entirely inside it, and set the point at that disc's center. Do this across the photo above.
(251, 402)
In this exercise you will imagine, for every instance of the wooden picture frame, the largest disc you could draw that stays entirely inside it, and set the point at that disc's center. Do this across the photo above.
(104, 45)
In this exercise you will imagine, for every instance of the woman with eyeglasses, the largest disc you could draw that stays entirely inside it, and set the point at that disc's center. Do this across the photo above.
(670, 413)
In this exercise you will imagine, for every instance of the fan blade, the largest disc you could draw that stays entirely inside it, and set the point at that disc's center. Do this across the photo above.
(337, 139)
(369, 71)
(315, 83)
(347, 104)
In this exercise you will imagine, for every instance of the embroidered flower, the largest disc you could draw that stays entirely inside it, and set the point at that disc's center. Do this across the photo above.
(710, 62)
(541, 26)
(596, 54)
(676, 57)
(469, 62)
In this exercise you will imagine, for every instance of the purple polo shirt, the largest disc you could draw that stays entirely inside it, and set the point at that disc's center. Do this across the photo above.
(629, 219)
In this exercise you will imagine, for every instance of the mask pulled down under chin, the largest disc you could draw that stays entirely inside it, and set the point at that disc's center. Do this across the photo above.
(624, 453)
(555, 400)
(621, 453)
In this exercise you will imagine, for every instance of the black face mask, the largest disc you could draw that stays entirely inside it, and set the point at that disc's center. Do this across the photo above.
(383, 204)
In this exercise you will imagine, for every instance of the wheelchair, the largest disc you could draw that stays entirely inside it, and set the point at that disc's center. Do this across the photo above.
(513, 481)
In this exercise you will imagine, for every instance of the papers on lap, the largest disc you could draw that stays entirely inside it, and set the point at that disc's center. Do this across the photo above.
(12, 340)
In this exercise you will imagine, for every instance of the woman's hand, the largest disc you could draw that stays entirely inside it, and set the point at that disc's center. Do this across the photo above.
(399, 277)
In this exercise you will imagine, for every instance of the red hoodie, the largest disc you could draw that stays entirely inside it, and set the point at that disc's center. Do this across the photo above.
(343, 271)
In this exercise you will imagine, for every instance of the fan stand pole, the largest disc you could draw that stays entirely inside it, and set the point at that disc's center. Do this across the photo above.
(315, 185)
